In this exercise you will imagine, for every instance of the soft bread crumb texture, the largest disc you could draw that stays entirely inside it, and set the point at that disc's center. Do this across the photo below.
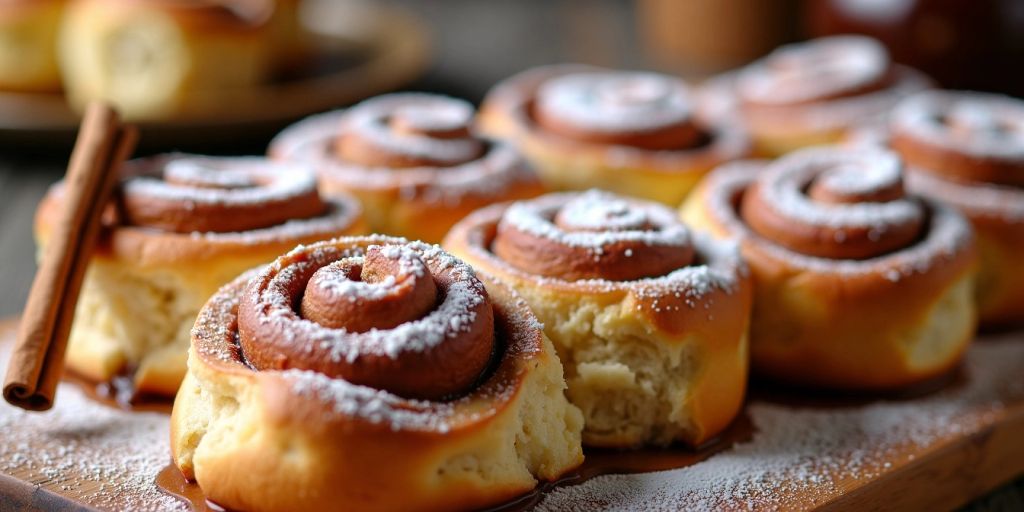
(137, 320)
(634, 384)
(128, 321)
(227, 436)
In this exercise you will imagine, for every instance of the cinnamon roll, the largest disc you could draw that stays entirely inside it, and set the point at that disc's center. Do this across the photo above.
(370, 373)
(183, 226)
(630, 132)
(967, 150)
(858, 284)
(28, 40)
(411, 159)
(161, 58)
(810, 93)
(649, 318)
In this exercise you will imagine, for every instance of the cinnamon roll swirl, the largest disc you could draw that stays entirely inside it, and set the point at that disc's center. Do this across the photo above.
(967, 150)
(810, 93)
(650, 318)
(411, 159)
(630, 132)
(369, 373)
(858, 284)
(181, 227)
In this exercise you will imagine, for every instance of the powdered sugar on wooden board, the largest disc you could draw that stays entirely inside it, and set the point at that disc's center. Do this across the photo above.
(101, 456)
(800, 457)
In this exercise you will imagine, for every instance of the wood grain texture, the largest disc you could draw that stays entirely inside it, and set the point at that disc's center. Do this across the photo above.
(947, 476)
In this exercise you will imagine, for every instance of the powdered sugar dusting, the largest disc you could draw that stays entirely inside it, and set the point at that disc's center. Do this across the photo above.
(974, 199)
(371, 119)
(718, 99)
(455, 314)
(821, 68)
(220, 181)
(492, 175)
(536, 216)
(718, 266)
(980, 125)
(798, 456)
(107, 456)
(375, 406)
(341, 286)
(514, 98)
(341, 214)
(784, 182)
(947, 232)
(616, 101)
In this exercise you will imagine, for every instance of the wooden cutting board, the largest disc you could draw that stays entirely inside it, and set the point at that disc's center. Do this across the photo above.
(931, 452)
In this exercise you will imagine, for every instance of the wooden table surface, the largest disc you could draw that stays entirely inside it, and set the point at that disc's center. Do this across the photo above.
(477, 44)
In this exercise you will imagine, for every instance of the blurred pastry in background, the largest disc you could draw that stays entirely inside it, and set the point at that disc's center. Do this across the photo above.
(967, 149)
(411, 159)
(185, 225)
(147, 57)
(28, 45)
(810, 93)
(629, 132)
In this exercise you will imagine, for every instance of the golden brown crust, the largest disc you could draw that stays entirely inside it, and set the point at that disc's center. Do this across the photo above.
(301, 440)
(690, 324)
(661, 163)
(408, 157)
(886, 321)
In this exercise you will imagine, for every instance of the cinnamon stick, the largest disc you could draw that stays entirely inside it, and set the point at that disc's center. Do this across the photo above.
(37, 361)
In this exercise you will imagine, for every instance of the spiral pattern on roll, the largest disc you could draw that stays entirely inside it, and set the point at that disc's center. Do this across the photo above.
(835, 203)
(823, 69)
(409, 130)
(644, 110)
(403, 317)
(593, 235)
(969, 137)
(184, 193)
